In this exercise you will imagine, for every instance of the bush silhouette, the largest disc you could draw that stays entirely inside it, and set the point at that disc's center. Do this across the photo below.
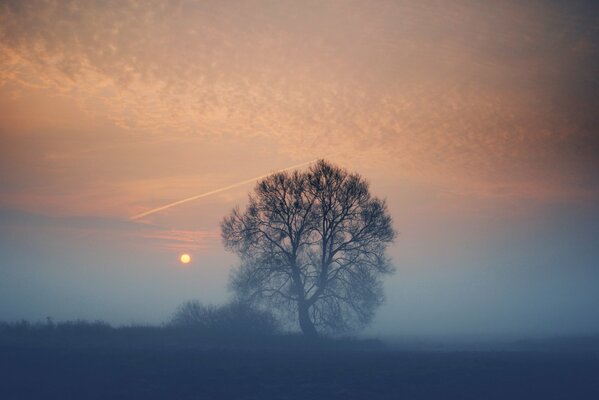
(233, 319)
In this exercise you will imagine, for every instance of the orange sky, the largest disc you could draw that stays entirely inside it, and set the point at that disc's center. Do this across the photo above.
(485, 100)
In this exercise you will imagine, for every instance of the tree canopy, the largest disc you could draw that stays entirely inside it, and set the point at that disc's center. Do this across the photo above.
(312, 245)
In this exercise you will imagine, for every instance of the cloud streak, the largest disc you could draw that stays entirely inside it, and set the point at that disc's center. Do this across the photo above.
(213, 192)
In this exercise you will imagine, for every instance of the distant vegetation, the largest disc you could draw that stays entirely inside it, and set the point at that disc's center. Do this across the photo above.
(193, 324)
(233, 319)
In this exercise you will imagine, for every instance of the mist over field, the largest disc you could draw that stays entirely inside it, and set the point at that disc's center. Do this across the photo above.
(438, 164)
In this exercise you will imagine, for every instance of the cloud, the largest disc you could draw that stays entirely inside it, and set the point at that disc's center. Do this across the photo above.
(85, 222)
(503, 93)
(148, 235)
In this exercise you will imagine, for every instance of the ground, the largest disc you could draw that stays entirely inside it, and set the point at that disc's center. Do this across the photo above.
(166, 372)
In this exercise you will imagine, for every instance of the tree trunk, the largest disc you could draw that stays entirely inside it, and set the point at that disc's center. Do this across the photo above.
(305, 322)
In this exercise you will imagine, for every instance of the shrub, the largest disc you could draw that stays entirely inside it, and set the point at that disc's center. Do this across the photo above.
(233, 319)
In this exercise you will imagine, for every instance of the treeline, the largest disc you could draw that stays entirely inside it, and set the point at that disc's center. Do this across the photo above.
(191, 325)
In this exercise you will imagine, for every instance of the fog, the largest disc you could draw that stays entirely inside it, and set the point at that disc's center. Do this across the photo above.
(485, 278)
(476, 122)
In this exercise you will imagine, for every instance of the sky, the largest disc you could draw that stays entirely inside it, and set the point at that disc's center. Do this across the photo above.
(476, 121)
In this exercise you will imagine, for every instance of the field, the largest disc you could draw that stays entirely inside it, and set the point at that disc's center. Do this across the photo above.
(34, 370)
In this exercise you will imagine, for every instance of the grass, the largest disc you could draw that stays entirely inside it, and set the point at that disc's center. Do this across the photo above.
(93, 360)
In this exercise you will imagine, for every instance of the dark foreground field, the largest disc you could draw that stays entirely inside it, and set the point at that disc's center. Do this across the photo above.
(49, 372)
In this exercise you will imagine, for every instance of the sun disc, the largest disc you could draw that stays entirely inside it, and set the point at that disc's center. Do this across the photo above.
(185, 258)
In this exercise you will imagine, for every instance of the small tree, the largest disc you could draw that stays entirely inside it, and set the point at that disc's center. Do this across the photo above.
(312, 244)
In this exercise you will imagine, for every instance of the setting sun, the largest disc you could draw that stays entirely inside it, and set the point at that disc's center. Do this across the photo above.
(185, 258)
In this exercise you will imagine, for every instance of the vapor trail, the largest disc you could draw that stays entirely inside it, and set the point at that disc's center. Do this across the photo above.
(199, 196)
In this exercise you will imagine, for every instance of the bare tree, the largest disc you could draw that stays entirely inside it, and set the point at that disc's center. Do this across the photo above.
(312, 244)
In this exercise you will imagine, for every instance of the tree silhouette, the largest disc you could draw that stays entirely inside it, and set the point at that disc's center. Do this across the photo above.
(312, 244)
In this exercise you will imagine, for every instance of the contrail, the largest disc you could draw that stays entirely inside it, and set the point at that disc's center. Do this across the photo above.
(199, 196)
